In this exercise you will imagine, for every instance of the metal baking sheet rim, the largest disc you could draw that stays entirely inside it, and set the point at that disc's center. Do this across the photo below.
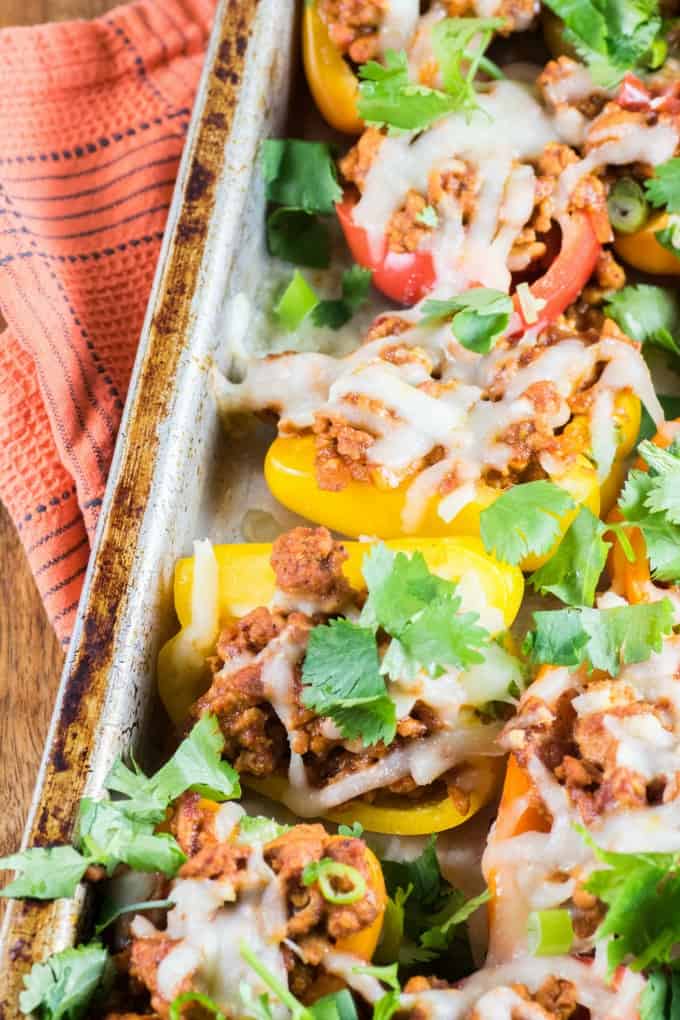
(101, 702)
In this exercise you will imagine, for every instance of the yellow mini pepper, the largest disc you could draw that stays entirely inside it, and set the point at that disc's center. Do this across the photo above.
(245, 580)
(642, 250)
(364, 508)
(332, 82)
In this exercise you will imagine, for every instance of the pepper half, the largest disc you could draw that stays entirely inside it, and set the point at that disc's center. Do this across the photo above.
(245, 580)
(331, 81)
(365, 508)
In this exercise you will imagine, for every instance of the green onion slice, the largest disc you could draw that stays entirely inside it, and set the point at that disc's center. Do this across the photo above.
(324, 870)
(549, 932)
(627, 205)
(295, 303)
(271, 981)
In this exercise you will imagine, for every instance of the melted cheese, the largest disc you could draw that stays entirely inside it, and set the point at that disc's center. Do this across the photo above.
(408, 422)
(398, 24)
(488, 994)
(208, 927)
(509, 125)
(621, 143)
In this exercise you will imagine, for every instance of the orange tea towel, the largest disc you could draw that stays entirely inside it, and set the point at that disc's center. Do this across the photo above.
(93, 117)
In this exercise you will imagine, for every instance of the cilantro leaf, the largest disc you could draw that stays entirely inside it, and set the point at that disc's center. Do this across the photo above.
(64, 984)
(370, 723)
(388, 98)
(479, 317)
(441, 637)
(300, 174)
(459, 45)
(648, 314)
(663, 189)
(46, 873)
(573, 571)
(603, 638)
(648, 502)
(196, 765)
(426, 916)
(664, 470)
(399, 586)
(642, 894)
(611, 36)
(524, 519)
(110, 837)
(356, 283)
(341, 679)
(299, 237)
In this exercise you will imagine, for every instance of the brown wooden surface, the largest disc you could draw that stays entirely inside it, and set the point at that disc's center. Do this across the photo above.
(30, 656)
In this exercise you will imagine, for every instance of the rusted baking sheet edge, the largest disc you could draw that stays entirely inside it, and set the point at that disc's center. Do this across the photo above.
(32, 930)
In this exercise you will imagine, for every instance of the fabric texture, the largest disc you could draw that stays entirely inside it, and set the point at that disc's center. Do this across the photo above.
(93, 117)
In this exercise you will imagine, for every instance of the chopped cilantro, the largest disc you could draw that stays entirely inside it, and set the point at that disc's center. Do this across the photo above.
(47, 873)
(399, 586)
(479, 317)
(110, 837)
(65, 983)
(300, 175)
(112, 832)
(611, 36)
(356, 283)
(341, 679)
(663, 189)
(642, 894)
(388, 98)
(425, 917)
(300, 178)
(649, 501)
(299, 237)
(524, 519)
(603, 638)
(573, 571)
(648, 314)
(196, 765)
(342, 674)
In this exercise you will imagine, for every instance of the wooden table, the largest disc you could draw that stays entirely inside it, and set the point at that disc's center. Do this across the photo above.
(30, 656)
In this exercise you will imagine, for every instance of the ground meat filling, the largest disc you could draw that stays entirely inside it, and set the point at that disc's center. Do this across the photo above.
(307, 563)
(343, 450)
(555, 999)
(354, 26)
(581, 750)
(313, 923)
